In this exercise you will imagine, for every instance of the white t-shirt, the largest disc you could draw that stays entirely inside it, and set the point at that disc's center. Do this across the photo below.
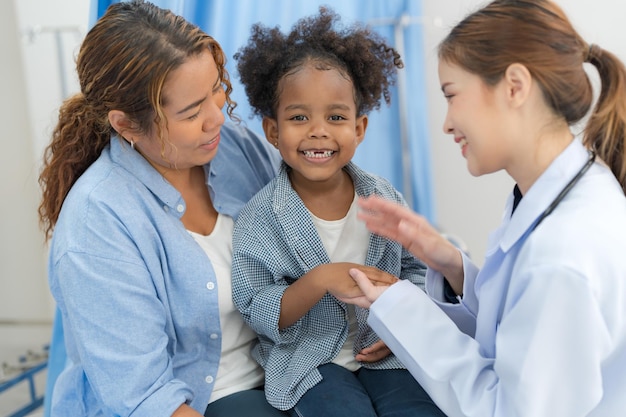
(345, 240)
(237, 370)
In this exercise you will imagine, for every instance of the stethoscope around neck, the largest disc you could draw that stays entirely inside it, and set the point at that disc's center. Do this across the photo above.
(567, 188)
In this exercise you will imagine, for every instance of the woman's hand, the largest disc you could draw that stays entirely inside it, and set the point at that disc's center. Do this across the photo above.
(373, 353)
(185, 411)
(415, 233)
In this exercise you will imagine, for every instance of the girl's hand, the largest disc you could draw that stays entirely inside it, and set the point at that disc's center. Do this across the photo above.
(374, 353)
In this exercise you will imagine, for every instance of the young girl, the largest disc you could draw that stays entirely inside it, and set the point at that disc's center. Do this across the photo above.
(540, 330)
(295, 241)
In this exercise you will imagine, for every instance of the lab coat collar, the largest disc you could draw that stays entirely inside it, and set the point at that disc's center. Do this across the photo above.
(542, 193)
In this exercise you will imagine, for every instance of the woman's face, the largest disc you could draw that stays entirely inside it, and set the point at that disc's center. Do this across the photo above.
(477, 118)
(192, 99)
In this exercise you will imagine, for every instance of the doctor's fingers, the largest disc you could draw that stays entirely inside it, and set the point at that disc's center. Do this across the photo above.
(377, 204)
(370, 291)
(384, 217)
(427, 244)
(377, 276)
(384, 225)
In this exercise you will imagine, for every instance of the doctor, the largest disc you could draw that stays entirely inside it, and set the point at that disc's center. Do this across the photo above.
(540, 330)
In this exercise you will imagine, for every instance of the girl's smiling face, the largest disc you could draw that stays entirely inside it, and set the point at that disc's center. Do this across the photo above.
(316, 129)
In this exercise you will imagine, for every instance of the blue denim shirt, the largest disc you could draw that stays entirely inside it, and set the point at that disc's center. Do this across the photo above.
(138, 296)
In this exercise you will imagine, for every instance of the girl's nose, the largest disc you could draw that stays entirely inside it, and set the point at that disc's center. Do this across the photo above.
(318, 131)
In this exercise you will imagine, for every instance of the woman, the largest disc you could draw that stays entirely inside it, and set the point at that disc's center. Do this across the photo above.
(140, 205)
(539, 330)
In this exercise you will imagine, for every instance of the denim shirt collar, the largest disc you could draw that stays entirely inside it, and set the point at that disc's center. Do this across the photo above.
(137, 166)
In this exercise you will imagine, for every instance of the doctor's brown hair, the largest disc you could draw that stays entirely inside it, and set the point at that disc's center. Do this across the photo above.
(538, 35)
(122, 65)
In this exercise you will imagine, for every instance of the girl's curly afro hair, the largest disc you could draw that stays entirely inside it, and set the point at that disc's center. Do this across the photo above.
(356, 51)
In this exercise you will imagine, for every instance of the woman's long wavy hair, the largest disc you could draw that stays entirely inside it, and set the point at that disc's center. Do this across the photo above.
(122, 65)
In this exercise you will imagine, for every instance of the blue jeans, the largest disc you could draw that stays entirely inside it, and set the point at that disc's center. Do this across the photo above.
(249, 403)
(365, 393)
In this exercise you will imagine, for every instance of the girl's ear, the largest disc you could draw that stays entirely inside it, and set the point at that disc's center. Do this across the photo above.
(270, 127)
(361, 127)
(518, 83)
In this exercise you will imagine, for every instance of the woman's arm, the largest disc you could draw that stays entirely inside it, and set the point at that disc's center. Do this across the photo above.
(117, 325)
(185, 411)
(510, 377)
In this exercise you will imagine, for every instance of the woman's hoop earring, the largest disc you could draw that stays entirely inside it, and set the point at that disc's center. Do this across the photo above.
(132, 144)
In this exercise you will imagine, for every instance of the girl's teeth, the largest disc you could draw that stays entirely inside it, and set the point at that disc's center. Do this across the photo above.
(462, 142)
(318, 154)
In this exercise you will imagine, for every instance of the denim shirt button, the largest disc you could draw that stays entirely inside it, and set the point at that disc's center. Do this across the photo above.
(210, 285)
(209, 379)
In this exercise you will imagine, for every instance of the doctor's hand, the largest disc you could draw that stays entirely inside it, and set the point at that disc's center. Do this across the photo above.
(370, 290)
(341, 283)
(416, 234)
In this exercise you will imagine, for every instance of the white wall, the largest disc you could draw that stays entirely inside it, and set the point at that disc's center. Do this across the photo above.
(21, 256)
(31, 91)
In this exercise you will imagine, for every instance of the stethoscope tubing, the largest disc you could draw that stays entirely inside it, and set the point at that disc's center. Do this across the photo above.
(566, 189)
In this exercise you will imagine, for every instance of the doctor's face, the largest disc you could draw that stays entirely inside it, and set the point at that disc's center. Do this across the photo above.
(476, 117)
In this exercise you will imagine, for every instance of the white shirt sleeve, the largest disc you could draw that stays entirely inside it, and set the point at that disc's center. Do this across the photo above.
(463, 313)
(542, 328)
